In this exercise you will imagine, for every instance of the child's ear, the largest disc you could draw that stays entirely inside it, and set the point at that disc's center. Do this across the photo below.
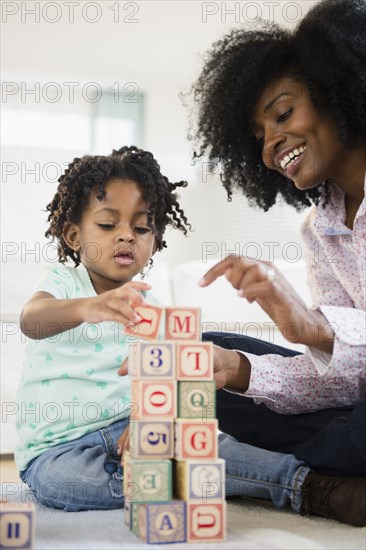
(70, 235)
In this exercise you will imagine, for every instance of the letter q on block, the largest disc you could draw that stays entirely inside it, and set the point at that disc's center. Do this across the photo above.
(194, 361)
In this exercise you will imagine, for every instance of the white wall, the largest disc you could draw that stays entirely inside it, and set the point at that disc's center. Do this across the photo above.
(161, 53)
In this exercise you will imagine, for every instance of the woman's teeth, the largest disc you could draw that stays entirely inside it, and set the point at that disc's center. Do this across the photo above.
(292, 156)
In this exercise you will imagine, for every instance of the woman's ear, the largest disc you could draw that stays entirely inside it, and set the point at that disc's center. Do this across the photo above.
(70, 235)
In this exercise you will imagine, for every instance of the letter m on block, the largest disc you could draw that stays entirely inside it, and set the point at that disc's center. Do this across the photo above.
(183, 323)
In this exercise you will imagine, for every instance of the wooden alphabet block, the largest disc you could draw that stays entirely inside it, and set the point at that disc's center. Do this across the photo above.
(128, 488)
(153, 438)
(162, 522)
(195, 439)
(157, 398)
(134, 524)
(200, 480)
(147, 480)
(148, 327)
(127, 514)
(206, 522)
(197, 400)
(194, 360)
(130, 514)
(17, 522)
(152, 360)
(182, 323)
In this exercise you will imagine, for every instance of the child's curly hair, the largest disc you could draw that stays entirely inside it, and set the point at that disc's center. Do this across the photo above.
(90, 174)
(326, 52)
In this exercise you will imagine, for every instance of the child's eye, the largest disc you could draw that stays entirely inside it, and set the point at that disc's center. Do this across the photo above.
(106, 225)
(284, 116)
(142, 230)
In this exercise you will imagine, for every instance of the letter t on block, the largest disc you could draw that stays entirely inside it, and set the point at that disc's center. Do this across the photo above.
(182, 323)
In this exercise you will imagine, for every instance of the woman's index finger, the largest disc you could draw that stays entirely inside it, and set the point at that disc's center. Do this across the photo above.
(217, 270)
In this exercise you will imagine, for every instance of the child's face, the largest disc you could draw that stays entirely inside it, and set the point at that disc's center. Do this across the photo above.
(113, 237)
(299, 141)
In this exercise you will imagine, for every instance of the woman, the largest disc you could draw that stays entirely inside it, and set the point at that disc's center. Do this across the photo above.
(285, 114)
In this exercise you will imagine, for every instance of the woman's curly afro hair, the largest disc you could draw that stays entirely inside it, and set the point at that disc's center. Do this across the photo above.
(89, 174)
(326, 52)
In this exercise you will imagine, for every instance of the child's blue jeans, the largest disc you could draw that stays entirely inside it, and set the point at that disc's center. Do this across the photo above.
(85, 474)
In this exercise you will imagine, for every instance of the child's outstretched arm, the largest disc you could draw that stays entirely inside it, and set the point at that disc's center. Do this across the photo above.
(44, 315)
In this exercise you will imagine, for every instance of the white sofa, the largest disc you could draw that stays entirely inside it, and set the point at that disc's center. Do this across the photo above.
(222, 310)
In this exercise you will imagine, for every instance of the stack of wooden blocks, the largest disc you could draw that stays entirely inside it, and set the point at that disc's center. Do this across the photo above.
(173, 417)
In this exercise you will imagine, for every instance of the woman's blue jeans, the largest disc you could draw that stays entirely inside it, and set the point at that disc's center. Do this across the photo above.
(257, 473)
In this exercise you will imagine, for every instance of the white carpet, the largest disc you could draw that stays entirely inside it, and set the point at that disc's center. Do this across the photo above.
(250, 525)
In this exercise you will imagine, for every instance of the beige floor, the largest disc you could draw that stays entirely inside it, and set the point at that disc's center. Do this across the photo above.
(8, 471)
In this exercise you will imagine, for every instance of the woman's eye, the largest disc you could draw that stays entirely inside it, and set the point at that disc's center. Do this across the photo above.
(142, 230)
(106, 225)
(284, 116)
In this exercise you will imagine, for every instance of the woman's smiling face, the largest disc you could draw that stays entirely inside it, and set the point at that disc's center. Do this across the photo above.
(298, 140)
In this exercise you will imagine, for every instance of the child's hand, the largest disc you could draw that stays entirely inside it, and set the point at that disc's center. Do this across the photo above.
(116, 305)
(123, 443)
(123, 370)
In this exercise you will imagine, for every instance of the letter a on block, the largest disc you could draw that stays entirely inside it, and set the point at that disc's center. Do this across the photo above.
(148, 327)
(166, 522)
(183, 323)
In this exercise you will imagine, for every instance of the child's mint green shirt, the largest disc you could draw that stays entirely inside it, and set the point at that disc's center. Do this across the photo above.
(69, 384)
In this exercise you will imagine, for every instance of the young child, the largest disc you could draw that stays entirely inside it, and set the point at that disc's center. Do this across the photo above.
(108, 216)
(293, 124)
